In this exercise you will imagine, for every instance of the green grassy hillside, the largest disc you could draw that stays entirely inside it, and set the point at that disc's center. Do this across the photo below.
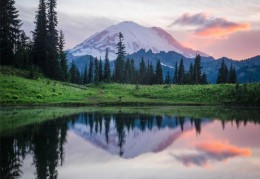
(18, 90)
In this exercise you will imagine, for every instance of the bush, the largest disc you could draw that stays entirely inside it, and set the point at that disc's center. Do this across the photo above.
(39, 96)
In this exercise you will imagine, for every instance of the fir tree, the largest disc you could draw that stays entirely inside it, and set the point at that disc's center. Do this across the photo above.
(85, 75)
(158, 73)
(107, 71)
(119, 62)
(62, 58)
(133, 72)
(100, 70)
(127, 71)
(197, 69)
(222, 73)
(181, 72)
(54, 70)
(96, 71)
(23, 55)
(74, 74)
(167, 78)
(90, 71)
(142, 72)
(204, 79)
(150, 74)
(175, 77)
(40, 38)
(191, 75)
(9, 31)
(232, 74)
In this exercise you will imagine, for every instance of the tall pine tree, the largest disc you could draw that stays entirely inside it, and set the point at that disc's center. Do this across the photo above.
(53, 70)
(127, 71)
(158, 73)
(100, 70)
(150, 73)
(197, 69)
(40, 38)
(62, 58)
(90, 71)
(232, 74)
(119, 62)
(9, 31)
(74, 74)
(222, 73)
(175, 77)
(167, 78)
(181, 73)
(107, 70)
(85, 75)
(142, 72)
(96, 71)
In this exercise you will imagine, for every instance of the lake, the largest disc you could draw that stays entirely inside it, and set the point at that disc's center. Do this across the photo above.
(135, 142)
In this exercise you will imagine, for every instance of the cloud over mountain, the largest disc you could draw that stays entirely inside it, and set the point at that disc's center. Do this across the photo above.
(206, 25)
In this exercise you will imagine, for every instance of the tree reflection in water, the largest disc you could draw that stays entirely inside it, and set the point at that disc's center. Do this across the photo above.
(45, 141)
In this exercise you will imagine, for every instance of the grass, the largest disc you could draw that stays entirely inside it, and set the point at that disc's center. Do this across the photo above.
(16, 89)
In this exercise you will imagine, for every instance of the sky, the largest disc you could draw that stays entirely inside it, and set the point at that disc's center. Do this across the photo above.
(219, 28)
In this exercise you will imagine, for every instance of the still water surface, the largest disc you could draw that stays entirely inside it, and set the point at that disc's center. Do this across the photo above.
(120, 144)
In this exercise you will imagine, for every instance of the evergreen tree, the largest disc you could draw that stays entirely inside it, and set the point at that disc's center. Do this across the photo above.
(204, 79)
(167, 79)
(133, 72)
(142, 72)
(127, 71)
(100, 70)
(54, 70)
(23, 55)
(232, 74)
(197, 69)
(85, 75)
(74, 74)
(107, 71)
(9, 31)
(90, 71)
(40, 38)
(191, 74)
(175, 77)
(119, 62)
(150, 74)
(222, 73)
(158, 73)
(181, 72)
(96, 71)
(62, 58)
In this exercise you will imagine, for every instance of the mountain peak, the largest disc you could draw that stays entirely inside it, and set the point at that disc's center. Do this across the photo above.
(136, 37)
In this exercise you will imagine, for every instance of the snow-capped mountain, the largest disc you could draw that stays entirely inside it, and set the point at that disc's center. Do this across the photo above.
(136, 37)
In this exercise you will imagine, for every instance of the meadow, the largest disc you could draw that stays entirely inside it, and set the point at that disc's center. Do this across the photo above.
(18, 89)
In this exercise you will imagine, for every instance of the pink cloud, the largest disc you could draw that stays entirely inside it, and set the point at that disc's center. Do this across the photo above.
(206, 25)
(210, 152)
(221, 28)
(219, 148)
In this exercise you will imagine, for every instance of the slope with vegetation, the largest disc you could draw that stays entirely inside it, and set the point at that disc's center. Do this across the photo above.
(18, 89)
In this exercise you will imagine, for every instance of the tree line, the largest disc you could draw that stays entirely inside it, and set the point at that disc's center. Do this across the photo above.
(192, 76)
(225, 75)
(126, 72)
(44, 52)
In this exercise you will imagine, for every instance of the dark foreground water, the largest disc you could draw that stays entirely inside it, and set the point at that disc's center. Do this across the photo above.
(121, 144)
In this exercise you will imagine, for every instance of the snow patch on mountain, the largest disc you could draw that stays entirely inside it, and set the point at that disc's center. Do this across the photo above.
(136, 37)
(167, 65)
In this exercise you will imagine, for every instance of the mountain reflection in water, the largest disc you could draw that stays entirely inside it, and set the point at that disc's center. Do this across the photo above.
(125, 135)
